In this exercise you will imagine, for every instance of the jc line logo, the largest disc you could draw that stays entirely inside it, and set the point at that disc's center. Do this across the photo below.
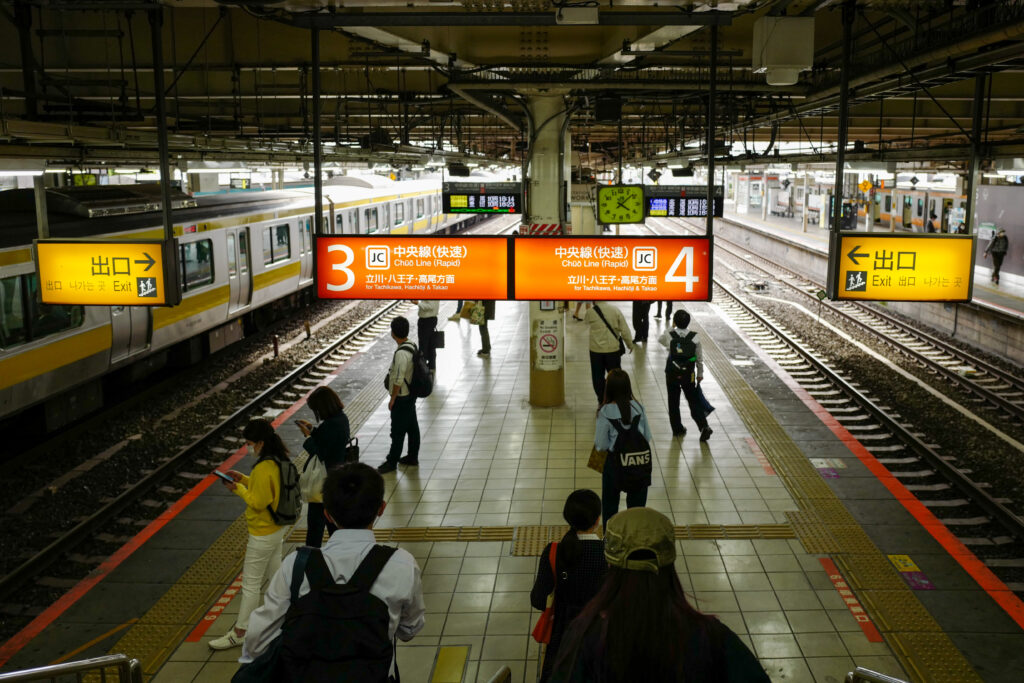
(645, 258)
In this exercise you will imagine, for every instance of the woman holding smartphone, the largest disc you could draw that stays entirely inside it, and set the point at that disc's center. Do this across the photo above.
(326, 441)
(261, 491)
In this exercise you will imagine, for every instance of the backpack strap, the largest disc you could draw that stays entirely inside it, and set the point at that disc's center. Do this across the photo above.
(317, 572)
(371, 566)
(597, 309)
(299, 570)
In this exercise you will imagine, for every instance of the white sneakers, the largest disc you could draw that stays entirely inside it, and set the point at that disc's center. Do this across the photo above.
(227, 641)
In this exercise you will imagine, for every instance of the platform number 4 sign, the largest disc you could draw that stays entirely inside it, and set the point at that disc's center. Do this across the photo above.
(685, 259)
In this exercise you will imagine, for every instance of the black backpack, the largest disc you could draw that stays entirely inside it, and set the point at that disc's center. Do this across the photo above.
(422, 383)
(631, 456)
(332, 633)
(289, 504)
(682, 357)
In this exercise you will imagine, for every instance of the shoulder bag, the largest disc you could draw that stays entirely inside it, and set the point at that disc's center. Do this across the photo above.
(622, 345)
(312, 476)
(546, 621)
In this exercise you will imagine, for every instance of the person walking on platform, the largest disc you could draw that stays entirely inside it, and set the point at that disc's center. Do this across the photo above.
(328, 634)
(328, 440)
(684, 371)
(668, 310)
(609, 337)
(458, 312)
(641, 321)
(623, 433)
(261, 491)
(485, 334)
(402, 403)
(426, 324)
(640, 626)
(576, 573)
(576, 313)
(998, 247)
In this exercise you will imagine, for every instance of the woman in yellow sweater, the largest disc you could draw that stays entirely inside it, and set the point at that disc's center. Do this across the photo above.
(261, 491)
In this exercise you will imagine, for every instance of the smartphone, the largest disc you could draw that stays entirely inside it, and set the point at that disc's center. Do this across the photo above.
(223, 476)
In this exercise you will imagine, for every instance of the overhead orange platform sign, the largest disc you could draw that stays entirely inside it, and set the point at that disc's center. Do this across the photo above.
(367, 267)
(613, 268)
(108, 273)
(891, 267)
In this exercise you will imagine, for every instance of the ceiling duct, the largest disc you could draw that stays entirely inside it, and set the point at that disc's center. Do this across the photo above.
(783, 47)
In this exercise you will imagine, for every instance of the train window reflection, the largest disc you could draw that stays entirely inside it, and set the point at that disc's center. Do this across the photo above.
(197, 264)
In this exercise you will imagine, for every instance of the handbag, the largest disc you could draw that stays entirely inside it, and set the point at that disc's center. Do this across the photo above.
(546, 621)
(438, 339)
(622, 344)
(352, 450)
(705, 406)
(311, 479)
(597, 459)
(467, 310)
(478, 314)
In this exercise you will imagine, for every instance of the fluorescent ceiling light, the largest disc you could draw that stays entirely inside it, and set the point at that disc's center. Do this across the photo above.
(10, 174)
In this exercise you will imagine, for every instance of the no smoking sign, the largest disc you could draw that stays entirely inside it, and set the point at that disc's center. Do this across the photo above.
(548, 343)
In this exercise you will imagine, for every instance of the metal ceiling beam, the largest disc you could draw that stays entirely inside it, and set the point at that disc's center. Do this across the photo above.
(459, 19)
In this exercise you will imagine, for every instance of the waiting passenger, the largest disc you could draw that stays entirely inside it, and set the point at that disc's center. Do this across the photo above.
(426, 324)
(333, 635)
(623, 433)
(609, 337)
(578, 570)
(640, 627)
(261, 491)
(485, 335)
(998, 247)
(328, 441)
(402, 404)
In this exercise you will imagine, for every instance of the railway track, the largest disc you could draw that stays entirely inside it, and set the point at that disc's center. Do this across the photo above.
(985, 522)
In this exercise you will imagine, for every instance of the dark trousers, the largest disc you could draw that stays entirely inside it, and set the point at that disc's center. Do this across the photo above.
(668, 310)
(403, 421)
(641, 320)
(425, 330)
(610, 493)
(485, 337)
(689, 390)
(315, 524)
(997, 263)
(600, 364)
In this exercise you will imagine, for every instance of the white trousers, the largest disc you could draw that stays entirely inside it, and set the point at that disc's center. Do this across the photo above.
(262, 560)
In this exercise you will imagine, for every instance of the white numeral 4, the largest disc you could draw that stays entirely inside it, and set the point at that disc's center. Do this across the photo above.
(685, 255)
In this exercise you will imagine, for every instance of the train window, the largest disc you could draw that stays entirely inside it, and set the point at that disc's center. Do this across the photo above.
(307, 224)
(232, 259)
(282, 243)
(243, 252)
(888, 202)
(371, 220)
(196, 264)
(354, 221)
(387, 216)
(920, 207)
(12, 312)
(399, 213)
(47, 319)
(419, 208)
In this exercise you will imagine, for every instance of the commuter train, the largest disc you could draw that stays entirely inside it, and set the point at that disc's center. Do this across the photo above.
(243, 257)
(907, 209)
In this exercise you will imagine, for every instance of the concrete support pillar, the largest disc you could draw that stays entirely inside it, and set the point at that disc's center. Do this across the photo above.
(764, 196)
(547, 178)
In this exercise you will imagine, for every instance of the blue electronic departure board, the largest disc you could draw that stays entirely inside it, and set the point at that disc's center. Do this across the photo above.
(681, 201)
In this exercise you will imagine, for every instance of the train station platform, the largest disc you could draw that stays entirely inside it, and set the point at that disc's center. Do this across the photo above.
(788, 528)
(1007, 297)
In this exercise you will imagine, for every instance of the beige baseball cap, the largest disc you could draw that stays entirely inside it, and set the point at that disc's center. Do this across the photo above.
(640, 529)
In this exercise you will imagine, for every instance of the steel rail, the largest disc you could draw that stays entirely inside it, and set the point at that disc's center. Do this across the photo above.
(81, 532)
(996, 510)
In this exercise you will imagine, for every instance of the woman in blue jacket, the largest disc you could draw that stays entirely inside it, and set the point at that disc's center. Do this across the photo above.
(619, 407)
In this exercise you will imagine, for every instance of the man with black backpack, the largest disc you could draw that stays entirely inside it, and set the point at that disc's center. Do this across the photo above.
(407, 379)
(334, 614)
(684, 371)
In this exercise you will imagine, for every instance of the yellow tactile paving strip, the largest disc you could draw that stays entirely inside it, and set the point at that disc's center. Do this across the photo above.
(824, 526)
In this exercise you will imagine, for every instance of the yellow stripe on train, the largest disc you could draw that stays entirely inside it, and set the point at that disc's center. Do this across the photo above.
(52, 355)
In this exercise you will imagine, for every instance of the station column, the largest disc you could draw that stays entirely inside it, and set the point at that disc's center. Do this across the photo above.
(547, 177)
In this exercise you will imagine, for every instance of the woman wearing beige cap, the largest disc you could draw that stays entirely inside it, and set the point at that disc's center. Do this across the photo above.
(640, 627)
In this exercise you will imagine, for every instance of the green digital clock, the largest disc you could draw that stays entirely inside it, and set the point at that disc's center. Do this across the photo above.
(620, 203)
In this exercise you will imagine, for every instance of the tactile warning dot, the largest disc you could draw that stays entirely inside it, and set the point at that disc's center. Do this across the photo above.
(898, 610)
(530, 540)
(932, 658)
(870, 572)
(852, 539)
(183, 603)
(151, 644)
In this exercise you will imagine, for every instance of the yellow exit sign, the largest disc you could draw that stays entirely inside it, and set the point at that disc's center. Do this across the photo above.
(108, 273)
(891, 267)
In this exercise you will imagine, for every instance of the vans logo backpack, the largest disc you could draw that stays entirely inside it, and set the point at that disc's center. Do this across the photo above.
(422, 383)
(682, 357)
(289, 504)
(632, 456)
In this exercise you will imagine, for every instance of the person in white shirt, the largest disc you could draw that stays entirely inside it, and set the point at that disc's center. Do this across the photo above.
(426, 324)
(607, 329)
(402, 404)
(353, 500)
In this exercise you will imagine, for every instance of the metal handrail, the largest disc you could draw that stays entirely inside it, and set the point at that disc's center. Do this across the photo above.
(862, 675)
(503, 675)
(128, 670)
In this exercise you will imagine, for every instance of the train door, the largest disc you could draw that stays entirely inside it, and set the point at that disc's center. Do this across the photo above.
(306, 247)
(130, 331)
(947, 206)
(239, 269)
(907, 210)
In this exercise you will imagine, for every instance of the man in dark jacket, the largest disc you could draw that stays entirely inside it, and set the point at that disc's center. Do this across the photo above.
(998, 247)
